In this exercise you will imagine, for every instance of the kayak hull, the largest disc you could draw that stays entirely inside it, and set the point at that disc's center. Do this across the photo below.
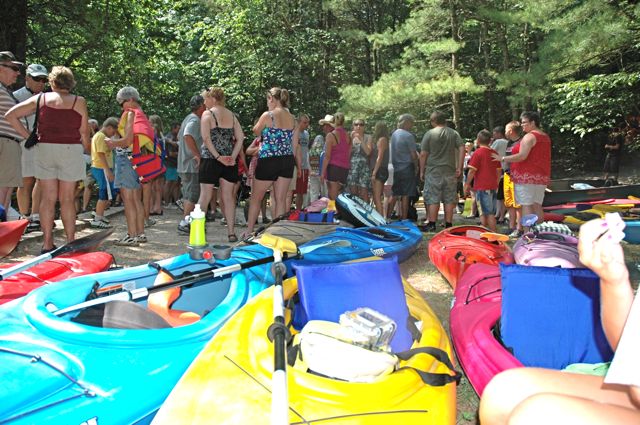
(547, 249)
(10, 234)
(452, 251)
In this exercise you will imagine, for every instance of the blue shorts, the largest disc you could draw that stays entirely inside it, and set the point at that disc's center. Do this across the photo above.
(103, 183)
(487, 201)
(125, 175)
(171, 175)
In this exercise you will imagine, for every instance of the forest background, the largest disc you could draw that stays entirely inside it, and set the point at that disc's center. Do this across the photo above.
(480, 61)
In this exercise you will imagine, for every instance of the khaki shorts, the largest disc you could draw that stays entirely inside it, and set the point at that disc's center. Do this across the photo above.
(529, 194)
(10, 163)
(440, 188)
(28, 157)
(59, 162)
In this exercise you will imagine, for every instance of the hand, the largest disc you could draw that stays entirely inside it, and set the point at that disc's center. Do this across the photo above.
(601, 254)
(299, 173)
(110, 176)
(196, 159)
(496, 157)
(227, 160)
(458, 172)
(467, 189)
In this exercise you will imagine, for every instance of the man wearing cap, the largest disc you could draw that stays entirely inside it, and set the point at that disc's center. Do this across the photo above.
(189, 146)
(29, 193)
(10, 154)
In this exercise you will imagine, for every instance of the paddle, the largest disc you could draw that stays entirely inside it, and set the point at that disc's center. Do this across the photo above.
(85, 243)
(278, 331)
(135, 294)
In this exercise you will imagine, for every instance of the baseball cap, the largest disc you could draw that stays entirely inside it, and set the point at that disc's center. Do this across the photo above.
(37, 70)
(7, 56)
(196, 101)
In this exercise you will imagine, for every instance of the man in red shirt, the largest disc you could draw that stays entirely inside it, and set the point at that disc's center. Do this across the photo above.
(484, 174)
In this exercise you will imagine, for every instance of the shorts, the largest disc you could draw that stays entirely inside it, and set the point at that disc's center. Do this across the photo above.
(171, 175)
(529, 194)
(54, 161)
(404, 182)
(190, 187)
(509, 194)
(125, 176)
(612, 164)
(11, 168)
(274, 167)
(337, 174)
(440, 188)
(487, 201)
(105, 187)
(211, 171)
(382, 175)
(302, 182)
(27, 161)
(500, 194)
(294, 180)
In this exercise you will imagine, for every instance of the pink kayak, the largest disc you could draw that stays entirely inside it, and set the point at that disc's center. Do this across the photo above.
(56, 269)
(474, 315)
(547, 249)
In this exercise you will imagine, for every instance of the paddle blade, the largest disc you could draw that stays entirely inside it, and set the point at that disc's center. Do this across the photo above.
(494, 237)
(86, 243)
(278, 243)
(529, 220)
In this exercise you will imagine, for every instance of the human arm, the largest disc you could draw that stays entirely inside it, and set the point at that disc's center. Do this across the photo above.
(468, 183)
(297, 151)
(527, 143)
(127, 139)
(367, 146)
(383, 145)
(102, 162)
(81, 108)
(460, 162)
(606, 258)
(21, 110)
(254, 147)
(238, 135)
(261, 124)
(191, 145)
(328, 146)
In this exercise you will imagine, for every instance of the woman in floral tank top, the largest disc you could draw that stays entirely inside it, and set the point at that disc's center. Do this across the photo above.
(530, 161)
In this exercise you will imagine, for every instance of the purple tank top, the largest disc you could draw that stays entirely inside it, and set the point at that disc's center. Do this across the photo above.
(341, 153)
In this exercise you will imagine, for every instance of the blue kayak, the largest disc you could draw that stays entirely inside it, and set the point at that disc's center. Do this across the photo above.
(62, 370)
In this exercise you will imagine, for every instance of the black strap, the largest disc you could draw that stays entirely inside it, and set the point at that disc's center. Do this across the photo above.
(429, 378)
(35, 121)
(214, 117)
(273, 120)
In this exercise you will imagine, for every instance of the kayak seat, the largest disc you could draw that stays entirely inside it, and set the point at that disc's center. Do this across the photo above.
(328, 290)
(551, 316)
(160, 303)
(120, 315)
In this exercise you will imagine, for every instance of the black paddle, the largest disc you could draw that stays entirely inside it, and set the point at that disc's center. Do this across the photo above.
(86, 243)
(135, 294)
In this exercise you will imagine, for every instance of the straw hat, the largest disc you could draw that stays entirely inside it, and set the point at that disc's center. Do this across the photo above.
(328, 119)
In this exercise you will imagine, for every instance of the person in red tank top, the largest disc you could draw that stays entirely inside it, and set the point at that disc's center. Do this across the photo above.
(530, 165)
(63, 136)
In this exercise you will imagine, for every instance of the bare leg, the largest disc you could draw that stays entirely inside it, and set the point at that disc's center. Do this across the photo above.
(227, 192)
(280, 189)
(139, 212)
(509, 389)
(129, 210)
(3, 197)
(24, 195)
(433, 212)
(48, 208)
(146, 199)
(66, 190)
(334, 189)
(363, 193)
(377, 187)
(258, 190)
(448, 212)
(207, 191)
(404, 207)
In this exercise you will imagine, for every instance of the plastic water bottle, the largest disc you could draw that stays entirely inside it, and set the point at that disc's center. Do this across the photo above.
(197, 234)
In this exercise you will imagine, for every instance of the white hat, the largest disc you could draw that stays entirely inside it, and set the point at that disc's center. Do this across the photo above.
(37, 70)
(328, 119)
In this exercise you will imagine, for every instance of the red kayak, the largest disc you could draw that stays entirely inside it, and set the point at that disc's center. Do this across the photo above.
(453, 250)
(59, 268)
(10, 234)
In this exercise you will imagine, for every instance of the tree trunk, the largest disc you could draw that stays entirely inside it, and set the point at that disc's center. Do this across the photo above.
(527, 101)
(455, 96)
(490, 82)
(13, 32)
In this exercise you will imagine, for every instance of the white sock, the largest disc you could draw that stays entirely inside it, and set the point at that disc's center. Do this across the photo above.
(183, 223)
(35, 216)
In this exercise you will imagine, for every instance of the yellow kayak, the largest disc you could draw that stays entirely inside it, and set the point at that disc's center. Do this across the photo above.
(230, 381)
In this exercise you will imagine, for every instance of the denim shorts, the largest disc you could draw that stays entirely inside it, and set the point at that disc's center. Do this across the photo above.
(125, 175)
(487, 200)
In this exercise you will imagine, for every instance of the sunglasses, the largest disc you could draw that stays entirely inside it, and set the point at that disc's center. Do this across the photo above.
(15, 68)
(40, 79)
(359, 124)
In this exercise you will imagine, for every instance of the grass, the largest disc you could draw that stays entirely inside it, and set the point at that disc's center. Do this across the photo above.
(425, 278)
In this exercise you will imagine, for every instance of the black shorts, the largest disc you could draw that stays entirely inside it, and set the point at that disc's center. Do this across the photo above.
(382, 175)
(272, 168)
(612, 164)
(337, 174)
(211, 171)
(500, 195)
(404, 182)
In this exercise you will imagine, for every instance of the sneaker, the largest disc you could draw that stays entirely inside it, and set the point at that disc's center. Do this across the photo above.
(516, 234)
(99, 224)
(141, 238)
(127, 241)
(209, 217)
(184, 228)
(103, 219)
(223, 221)
(265, 220)
(149, 222)
(33, 226)
(180, 204)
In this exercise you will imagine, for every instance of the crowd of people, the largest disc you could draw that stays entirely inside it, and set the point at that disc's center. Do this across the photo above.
(205, 160)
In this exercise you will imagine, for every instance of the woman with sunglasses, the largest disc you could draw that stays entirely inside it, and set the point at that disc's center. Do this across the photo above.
(359, 179)
(63, 136)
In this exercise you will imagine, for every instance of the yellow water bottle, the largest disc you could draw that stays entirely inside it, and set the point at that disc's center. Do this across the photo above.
(197, 234)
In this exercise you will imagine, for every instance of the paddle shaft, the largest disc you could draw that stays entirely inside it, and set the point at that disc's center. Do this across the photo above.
(20, 267)
(279, 394)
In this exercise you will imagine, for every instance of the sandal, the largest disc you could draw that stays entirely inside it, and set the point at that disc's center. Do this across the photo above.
(233, 238)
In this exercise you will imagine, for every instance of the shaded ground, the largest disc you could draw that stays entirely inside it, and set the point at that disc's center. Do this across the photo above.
(165, 241)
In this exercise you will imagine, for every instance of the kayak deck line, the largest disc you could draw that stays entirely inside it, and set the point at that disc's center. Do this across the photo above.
(36, 358)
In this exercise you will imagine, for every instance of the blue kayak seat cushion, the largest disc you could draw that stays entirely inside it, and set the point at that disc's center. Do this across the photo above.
(551, 316)
(328, 290)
